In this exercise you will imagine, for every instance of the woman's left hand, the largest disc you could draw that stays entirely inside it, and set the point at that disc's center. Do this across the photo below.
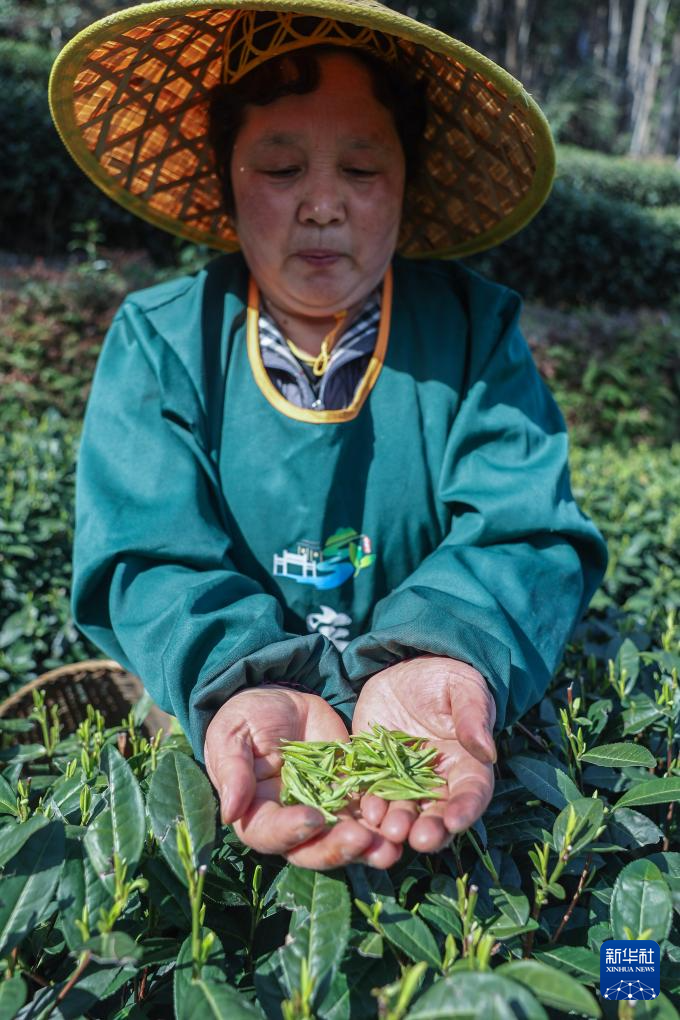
(449, 703)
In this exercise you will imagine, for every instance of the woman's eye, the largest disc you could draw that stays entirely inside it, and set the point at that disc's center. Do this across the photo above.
(360, 172)
(282, 171)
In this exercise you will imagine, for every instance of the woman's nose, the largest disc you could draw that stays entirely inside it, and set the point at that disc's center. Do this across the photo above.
(322, 202)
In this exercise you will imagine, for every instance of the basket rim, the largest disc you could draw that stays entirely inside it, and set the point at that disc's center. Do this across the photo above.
(52, 675)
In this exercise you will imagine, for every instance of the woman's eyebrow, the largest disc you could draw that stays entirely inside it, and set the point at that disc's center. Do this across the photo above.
(282, 139)
(277, 139)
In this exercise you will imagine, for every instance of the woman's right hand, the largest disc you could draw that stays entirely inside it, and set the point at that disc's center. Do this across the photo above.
(243, 760)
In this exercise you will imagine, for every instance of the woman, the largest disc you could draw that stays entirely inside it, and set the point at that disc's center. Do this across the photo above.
(322, 485)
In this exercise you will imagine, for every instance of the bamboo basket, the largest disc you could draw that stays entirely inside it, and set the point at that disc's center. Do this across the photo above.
(102, 683)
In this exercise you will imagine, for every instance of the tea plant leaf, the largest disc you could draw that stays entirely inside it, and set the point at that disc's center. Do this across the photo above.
(349, 995)
(28, 884)
(669, 865)
(65, 799)
(544, 780)
(320, 927)
(619, 755)
(12, 995)
(22, 752)
(8, 798)
(372, 945)
(640, 714)
(641, 901)
(588, 813)
(631, 829)
(96, 893)
(71, 892)
(660, 1008)
(652, 791)
(122, 828)
(114, 946)
(212, 1001)
(442, 915)
(213, 970)
(94, 987)
(13, 836)
(628, 658)
(409, 933)
(179, 790)
(578, 961)
(467, 996)
(166, 891)
(551, 987)
(513, 918)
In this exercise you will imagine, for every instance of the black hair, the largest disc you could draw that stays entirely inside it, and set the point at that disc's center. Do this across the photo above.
(298, 73)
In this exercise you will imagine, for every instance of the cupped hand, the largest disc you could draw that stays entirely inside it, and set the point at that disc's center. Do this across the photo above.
(449, 703)
(243, 761)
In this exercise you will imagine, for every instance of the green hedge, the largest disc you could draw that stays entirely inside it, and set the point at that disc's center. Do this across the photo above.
(42, 192)
(583, 248)
(643, 182)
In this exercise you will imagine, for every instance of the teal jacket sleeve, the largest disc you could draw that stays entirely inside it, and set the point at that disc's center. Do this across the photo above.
(520, 563)
(154, 585)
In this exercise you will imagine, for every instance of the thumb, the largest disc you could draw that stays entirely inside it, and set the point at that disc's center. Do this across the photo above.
(229, 760)
(473, 711)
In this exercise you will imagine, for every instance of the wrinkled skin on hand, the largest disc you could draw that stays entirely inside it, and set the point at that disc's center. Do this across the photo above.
(448, 702)
(442, 699)
(244, 763)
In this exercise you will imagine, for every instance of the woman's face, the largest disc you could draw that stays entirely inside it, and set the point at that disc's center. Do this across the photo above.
(318, 184)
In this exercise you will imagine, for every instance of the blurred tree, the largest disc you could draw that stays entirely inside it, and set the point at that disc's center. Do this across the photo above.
(648, 78)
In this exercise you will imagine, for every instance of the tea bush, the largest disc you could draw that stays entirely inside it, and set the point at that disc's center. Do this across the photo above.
(122, 898)
(45, 194)
(643, 182)
(616, 377)
(585, 248)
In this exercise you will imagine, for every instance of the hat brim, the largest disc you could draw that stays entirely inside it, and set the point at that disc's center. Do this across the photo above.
(129, 98)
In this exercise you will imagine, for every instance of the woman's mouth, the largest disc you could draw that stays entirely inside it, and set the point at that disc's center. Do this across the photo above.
(319, 256)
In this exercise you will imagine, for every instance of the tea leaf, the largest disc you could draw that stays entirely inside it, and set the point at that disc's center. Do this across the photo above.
(551, 987)
(114, 946)
(212, 1001)
(628, 658)
(652, 791)
(371, 945)
(13, 837)
(319, 931)
(28, 884)
(122, 828)
(588, 813)
(409, 933)
(544, 780)
(580, 962)
(8, 798)
(179, 790)
(470, 996)
(641, 901)
(633, 829)
(619, 755)
(12, 995)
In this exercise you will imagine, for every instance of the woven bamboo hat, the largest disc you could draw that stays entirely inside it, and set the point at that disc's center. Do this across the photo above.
(129, 96)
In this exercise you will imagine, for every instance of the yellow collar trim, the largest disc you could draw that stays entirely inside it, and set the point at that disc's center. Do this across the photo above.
(277, 399)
